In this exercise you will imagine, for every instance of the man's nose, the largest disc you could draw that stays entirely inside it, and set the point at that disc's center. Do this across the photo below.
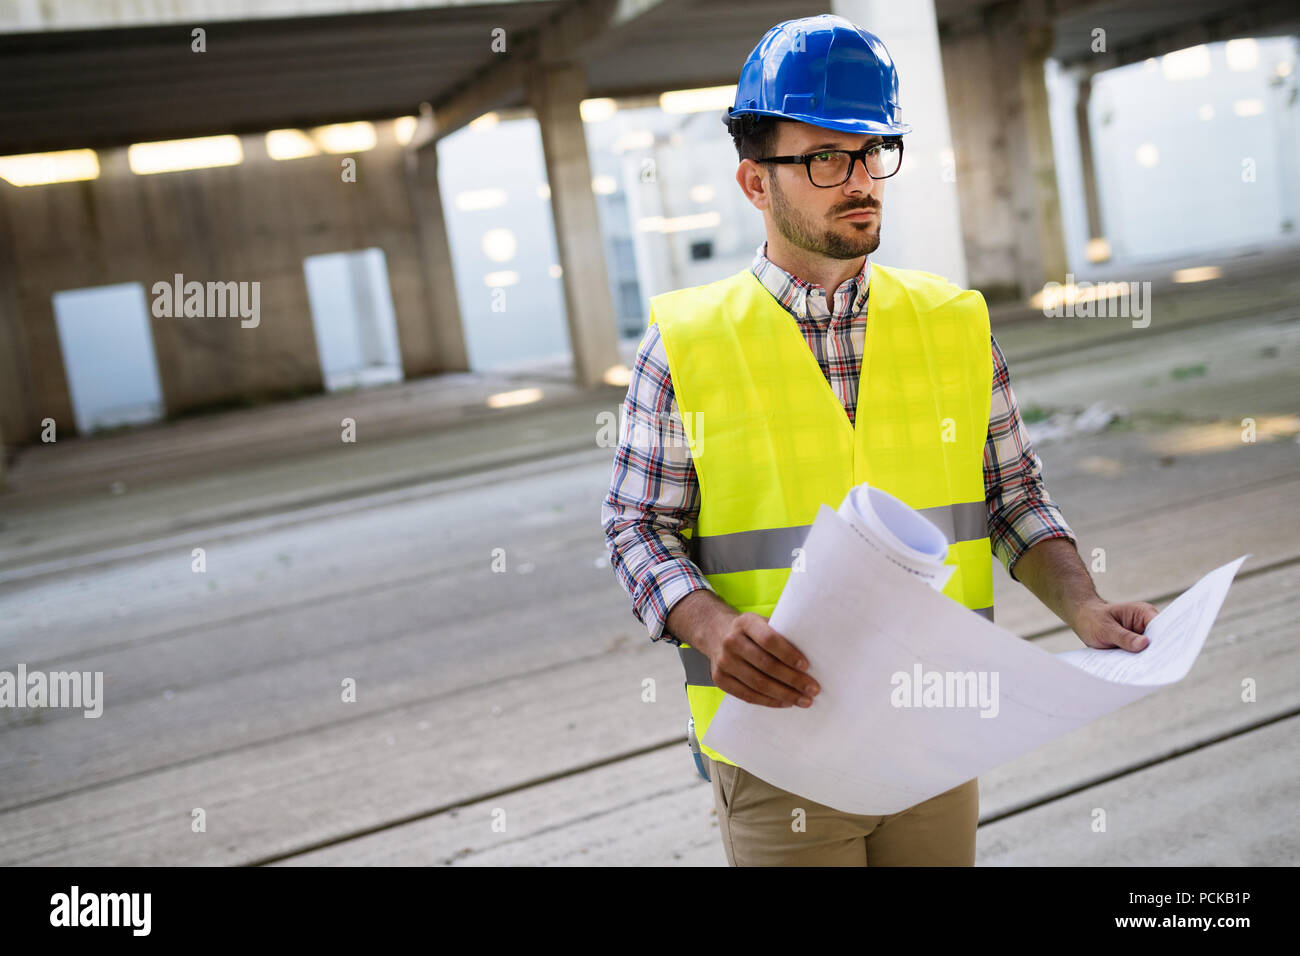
(859, 180)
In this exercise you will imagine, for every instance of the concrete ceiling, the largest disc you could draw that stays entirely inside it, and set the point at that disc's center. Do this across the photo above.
(1135, 29)
(1148, 28)
(67, 88)
(104, 87)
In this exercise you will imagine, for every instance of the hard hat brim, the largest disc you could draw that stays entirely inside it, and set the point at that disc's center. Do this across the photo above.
(867, 126)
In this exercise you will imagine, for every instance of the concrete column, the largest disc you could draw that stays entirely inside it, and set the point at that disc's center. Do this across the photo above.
(1042, 242)
(555, 92)
(921, 222)
(443, 309)
(17, 412)
(1006, 170)
(1091, 198)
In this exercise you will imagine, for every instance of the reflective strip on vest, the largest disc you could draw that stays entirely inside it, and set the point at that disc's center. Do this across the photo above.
(698, 671)
(774, 547)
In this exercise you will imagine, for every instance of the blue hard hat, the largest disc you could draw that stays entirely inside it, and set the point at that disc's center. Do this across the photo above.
(822, 70)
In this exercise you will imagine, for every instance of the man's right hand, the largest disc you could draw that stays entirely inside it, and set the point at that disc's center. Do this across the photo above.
(752, 661)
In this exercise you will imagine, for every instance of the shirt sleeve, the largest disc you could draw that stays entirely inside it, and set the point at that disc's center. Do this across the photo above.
(653, 495)
(1021, 513)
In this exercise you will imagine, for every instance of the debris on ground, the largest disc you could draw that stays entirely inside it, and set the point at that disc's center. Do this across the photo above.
(1068, 422)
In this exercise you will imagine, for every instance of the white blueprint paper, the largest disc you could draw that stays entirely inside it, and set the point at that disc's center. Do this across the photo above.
(862, 619)
(905, 537)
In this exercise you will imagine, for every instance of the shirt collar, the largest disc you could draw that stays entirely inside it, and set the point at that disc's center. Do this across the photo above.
(792, 292)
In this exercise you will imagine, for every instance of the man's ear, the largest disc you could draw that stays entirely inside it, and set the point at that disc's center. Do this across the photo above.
(749, 176)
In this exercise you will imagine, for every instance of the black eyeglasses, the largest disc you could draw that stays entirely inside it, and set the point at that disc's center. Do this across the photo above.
(833, 167)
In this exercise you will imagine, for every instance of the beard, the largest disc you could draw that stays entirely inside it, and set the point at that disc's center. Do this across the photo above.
(802, 232)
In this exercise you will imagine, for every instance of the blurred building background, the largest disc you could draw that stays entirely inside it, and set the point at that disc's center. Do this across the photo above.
(1050, 138)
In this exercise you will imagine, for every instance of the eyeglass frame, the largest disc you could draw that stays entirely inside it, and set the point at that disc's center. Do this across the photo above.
(855, 156)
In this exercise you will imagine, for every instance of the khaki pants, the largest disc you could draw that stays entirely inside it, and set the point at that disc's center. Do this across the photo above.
(757, 823)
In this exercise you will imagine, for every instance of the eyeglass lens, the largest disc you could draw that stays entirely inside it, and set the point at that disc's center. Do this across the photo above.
(831, 167)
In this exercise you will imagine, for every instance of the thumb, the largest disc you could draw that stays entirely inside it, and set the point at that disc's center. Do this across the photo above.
(1119, 636)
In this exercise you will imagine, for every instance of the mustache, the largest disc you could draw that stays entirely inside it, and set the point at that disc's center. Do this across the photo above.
(849, 209)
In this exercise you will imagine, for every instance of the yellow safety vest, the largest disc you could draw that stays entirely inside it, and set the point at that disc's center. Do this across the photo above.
(770, 441)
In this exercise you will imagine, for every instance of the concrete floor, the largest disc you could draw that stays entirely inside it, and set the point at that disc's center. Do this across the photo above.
(514, 697)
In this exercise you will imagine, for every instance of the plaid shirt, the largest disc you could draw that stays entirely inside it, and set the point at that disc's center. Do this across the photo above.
(654, 491)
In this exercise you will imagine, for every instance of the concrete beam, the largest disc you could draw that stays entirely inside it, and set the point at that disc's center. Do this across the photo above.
(564, 38)
(79, 15)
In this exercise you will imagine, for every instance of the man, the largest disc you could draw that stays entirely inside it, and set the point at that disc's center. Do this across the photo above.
(731, 439)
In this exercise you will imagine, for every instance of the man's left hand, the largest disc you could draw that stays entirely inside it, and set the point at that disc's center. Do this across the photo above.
(1102, 625)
